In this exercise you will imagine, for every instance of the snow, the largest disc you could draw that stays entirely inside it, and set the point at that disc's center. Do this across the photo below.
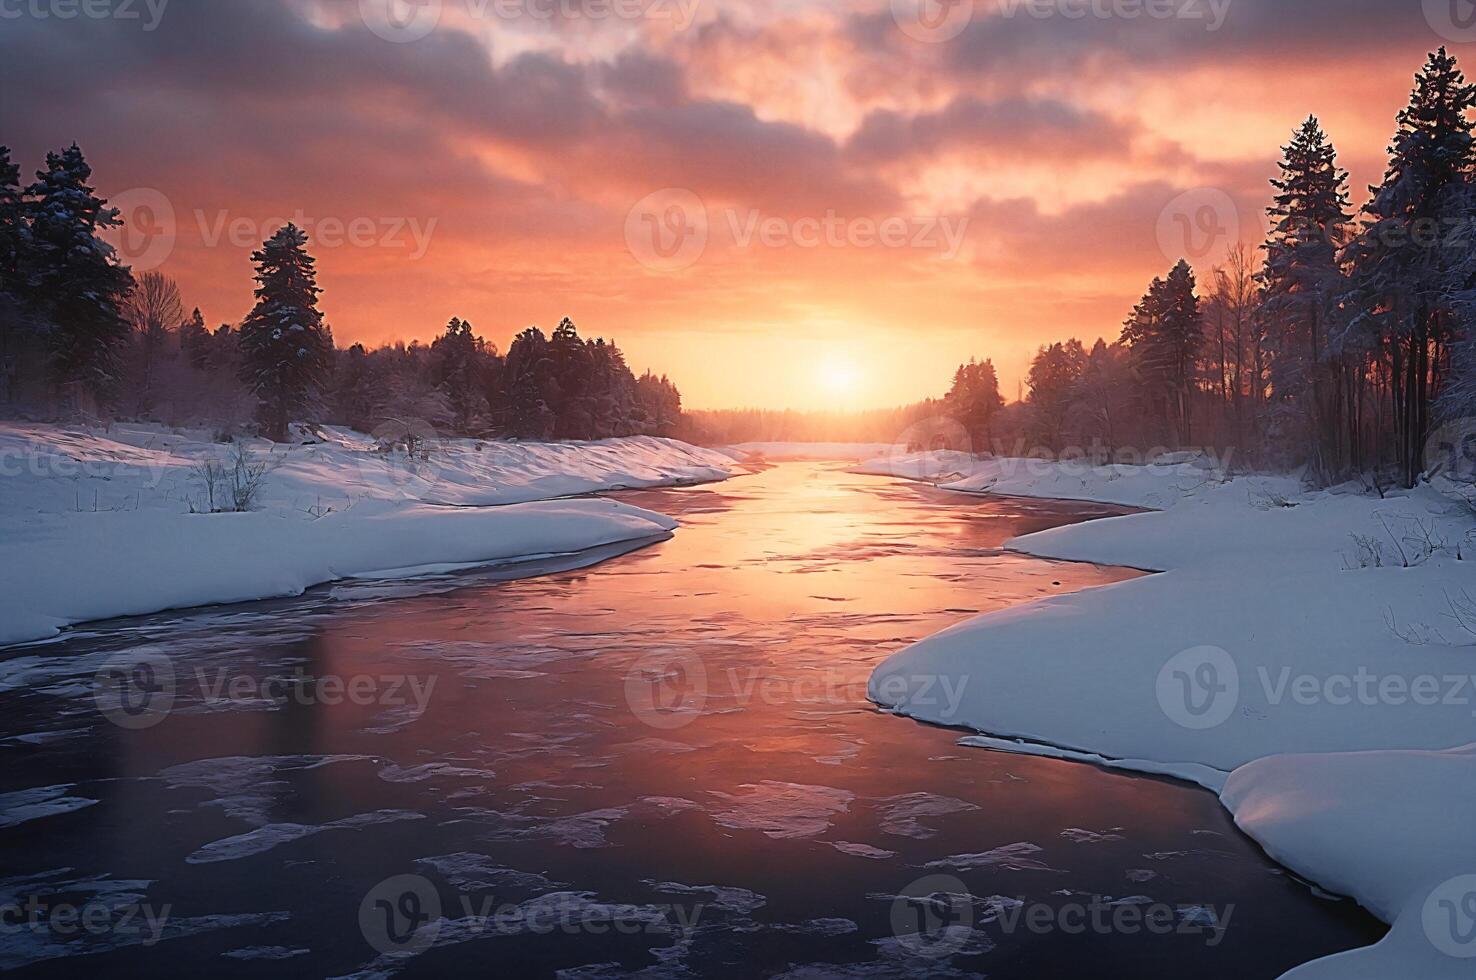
(1309, 655)
(1161, 484)
(1392, 829)
(98, 524)
(133, 466)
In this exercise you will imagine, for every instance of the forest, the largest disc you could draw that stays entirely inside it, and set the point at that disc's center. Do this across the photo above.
(80, 336)
(1343, 347)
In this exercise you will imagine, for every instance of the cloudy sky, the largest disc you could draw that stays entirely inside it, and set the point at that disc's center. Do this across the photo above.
(785, 203)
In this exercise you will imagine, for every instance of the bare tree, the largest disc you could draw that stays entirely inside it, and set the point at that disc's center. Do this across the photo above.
(156, 313)
(1238, 342)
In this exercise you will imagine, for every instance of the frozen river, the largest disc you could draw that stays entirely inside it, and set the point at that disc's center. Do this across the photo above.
(665, 763)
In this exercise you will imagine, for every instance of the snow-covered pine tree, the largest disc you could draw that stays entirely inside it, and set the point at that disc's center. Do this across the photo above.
(661, 404)
(1408, 260)
(612, 402)
(286, 351)
(530, 382)
(75, 277)
(573, 371)
(1301, 282)
(458, 366)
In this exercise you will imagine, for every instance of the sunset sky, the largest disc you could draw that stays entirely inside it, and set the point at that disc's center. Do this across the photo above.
(781, 203)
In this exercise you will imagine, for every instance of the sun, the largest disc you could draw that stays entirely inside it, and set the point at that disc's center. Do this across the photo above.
(839, 376)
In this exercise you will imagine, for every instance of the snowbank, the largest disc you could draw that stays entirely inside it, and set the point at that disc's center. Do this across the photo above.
(1163, 483)
(95, 525)
(1270, 588)
(1283, 622)
(61, 469)
(1368, 825)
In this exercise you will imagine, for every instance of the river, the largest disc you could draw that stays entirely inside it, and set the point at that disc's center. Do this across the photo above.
(663, 763)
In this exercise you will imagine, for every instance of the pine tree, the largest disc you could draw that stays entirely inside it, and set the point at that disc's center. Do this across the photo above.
(1301, 282)
(572, 401)
(13, 230)
(458, 361)
(1407, 265)
(974, 400)
(353, 392)
(1165, 334)
(1053, 378)
(612, 403)
(16, 320)
(75, 275)
(661, 405)
(194, 340)
(286, 350)
(1101, 397)
(530, 383)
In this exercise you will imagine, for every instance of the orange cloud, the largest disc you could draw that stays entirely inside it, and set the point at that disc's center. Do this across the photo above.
(491, 166)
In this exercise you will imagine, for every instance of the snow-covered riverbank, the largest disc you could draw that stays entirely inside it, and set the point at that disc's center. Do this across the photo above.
(1337, 626)
(95, 524)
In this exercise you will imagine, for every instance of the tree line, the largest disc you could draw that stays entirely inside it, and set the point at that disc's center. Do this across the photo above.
(1345, 346)
(79, 334)
(726, 427)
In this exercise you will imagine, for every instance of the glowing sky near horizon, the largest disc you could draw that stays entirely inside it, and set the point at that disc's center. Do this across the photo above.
(777, 203)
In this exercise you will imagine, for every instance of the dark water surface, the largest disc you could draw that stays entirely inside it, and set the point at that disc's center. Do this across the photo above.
(665, 763)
